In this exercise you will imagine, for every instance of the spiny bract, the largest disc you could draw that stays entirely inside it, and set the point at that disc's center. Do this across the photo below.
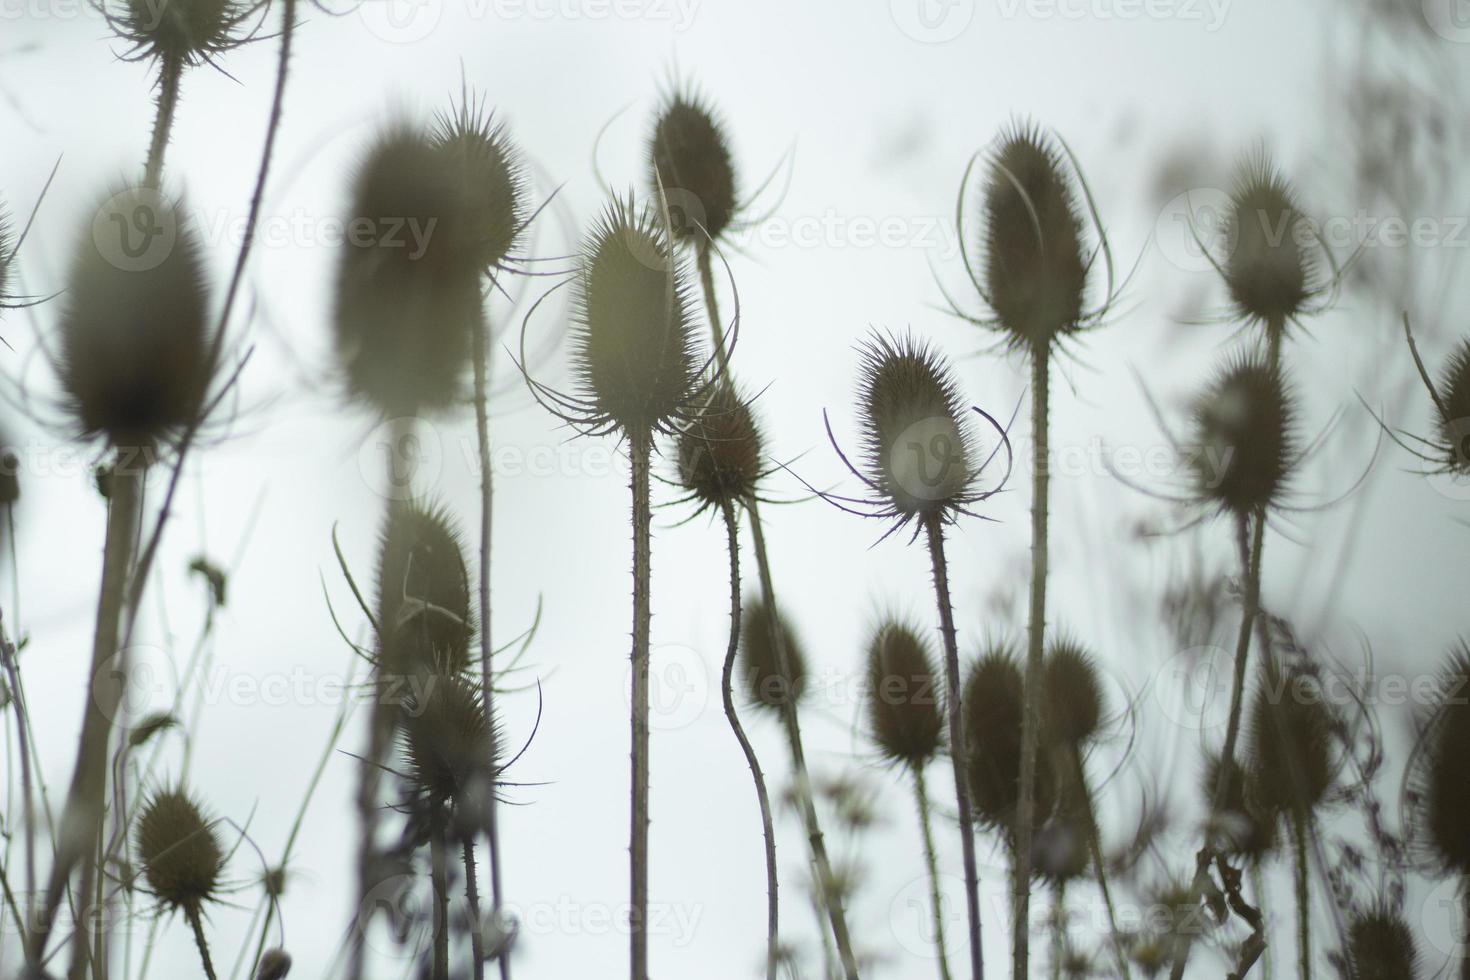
(424, 605)
(1454, 416)
(1244, 437)
(180, 32)
(1439, 779)
(767, 684)
(633, 338)
(719, 449)
(1380, 946)
(1267, 271)
(177, 848)
(134, 328)
(447, 739)
(487, 163)
(904, 716)
(689, 157)
(1035, 269)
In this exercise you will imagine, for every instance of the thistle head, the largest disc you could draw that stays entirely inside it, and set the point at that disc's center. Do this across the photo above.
(765, 639)
(1035, 266)
(993, 708)
(918, 445)
(1290, 756)
(1380, 945)
(135, 344)
(904, 718)
(408, 287)
(1268, 272)
(1245, 437)
(177, 848)
(447, 740)
(1438, 779)
(491, 175)
(633, 337)
(689, 158)
(1243, 829)
(719, 449)
(180, 32)
(424, 607)
(1073, 694)
(1453, 409)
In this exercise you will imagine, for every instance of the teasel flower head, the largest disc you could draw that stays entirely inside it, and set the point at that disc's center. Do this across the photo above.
(180, 855)
(1452, 409)
(425, 617)
(1245, 437)
(760, 659)
(181, 32)
(1244, 829)
(1291, 762)
(719, 448)
(492, 177)
(1270, 270)
(689, 161)
(136, 350)
(993, 708)
(1437, 783)
(408, 287)
(1073, 697)
(905, 721)
(1380, 945)
(1033, 262)
(447, 741)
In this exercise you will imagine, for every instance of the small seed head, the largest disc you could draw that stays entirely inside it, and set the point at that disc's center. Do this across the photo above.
(180, 854)
(492, 179)
(689, 155)
(274, 965)
(1244, 430)
(446, 738)
(181, 32)
(720, 449)
(1245, 829)
(1290, 760)
(994, 707)
(1073, 693)
(425, 612)
(767, 684)
(1268, 271)
(904, 695)
(1439, 780)
(1380, 946)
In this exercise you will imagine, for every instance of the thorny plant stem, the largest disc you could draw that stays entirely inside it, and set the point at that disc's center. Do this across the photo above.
(481, 352)
(197, 924)
(439, 878)
(1031, 716)
(727, 693)
(931, 864)
(171, 72)
(1301, 824)
(836, 915)
(957, 740)
(641, 448)
(472, 899)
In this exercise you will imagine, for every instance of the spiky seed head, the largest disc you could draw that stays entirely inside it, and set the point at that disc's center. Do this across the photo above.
(720, 449)
(492, 179)
(274, 965)
(178, 850)
(181, 32)
(904, 717)
(1290, 755)
(1268, 271)
(689, 155)
(1380, 945)
(1454, 418)
(446, 738)
(1244, 426)
(633, 338)
(1244, 828)
(408, 285)
(1439, 780)
(760, 632)
(134, 325)
(916, 437)
(424, 607)
(1073, 693)
(1034, 265)
(993, 708)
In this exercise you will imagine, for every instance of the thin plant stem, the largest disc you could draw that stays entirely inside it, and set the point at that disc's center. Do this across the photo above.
(727, 693)
(22, 730)
(197, 925)
(711, 304)
(931, 865)
(1465, 942)
(1031, 716)
(1301, 825)
(952, 702)
(439, 879)
(641, 449)
(1058, 929)
(171, 73)
(836, 916)
(472, 899)
(1099, 868)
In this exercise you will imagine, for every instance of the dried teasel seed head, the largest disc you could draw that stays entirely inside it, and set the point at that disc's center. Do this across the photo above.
(492, 177)
(178, 850)
(689, 157)
(993, 708)
(1244, 430)
(1073, 694)
(1380, 945)
(1439, 781)
(1244, 828)
(135, 361)
(180, 32)
(1268, 272)
(1453, 410)
(1035, 268)
(274, 965)
(720, 449)
(425, 614)
(918, 446)
(766, 683)
(1290, 750)
(408, 286)
(904, 717)
(446, 738)
(633, 337)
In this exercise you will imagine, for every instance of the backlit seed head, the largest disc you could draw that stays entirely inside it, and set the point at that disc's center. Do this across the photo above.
(274, 965)
(1290, 748)
(917, 441)
(1268, 271)
(766, 683)
(178, 850)
(1244, 828)
(1244, 435)
(1380, 946)
(1454, 418)
(1035, 268)
(446, 738)
(180, 32)
(689, 156)
(1073, 694)
(994, 707)
(719, 449)
(633, 338)
(424, 608)
(1439, 779)
(408, 278)
(134, 325)
(492, 178)
(904, 695)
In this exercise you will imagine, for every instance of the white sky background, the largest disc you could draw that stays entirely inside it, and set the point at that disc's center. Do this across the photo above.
(883, 124)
